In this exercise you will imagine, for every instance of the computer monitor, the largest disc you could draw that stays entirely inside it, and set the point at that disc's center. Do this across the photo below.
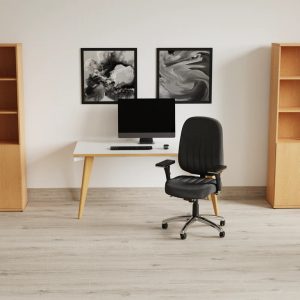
(146, 119)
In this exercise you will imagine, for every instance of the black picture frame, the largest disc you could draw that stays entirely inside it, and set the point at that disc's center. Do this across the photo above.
(190, 81)
(108, 74)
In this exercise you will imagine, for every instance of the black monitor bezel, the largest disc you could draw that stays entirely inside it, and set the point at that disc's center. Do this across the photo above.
(162, 134)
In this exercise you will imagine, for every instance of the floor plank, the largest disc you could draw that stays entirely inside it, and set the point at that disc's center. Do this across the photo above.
(118, 250)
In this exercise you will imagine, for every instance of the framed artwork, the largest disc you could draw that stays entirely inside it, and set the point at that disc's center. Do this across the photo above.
(184, 74)
(108, 74)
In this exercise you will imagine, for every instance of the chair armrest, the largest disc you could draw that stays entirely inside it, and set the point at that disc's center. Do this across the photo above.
(165, 163)
(217, 170)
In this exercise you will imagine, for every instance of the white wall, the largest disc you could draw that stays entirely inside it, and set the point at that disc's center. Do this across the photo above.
(53, 31)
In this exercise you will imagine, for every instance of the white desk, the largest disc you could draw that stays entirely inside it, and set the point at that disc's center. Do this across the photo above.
(89, 150)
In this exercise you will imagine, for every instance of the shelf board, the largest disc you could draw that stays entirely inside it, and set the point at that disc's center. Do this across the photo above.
(287, 44)
(290, 77)
(8, 142)
(8, 112)
(8, 78)
(289, 140)
(289, 109)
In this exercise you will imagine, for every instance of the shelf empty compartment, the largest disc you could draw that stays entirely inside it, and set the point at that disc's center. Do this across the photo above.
(290, 61)
(7, 62)
(289, 93)
(8, 95)
(9, 130)
(289, 125)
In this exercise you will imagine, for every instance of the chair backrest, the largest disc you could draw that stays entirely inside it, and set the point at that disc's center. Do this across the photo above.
(201, 145)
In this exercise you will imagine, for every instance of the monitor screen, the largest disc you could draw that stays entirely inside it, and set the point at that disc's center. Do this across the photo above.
(146, 118)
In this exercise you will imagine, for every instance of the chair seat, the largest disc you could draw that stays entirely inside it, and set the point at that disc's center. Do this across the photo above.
(190, 187)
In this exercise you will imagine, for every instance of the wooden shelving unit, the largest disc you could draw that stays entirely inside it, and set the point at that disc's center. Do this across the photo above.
(13, 195)
(283, 187)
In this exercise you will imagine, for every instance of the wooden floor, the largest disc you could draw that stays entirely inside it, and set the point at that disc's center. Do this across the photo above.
(119, 251)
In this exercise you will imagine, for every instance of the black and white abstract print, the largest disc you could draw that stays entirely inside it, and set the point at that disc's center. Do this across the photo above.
(108, 74)
(184, 74)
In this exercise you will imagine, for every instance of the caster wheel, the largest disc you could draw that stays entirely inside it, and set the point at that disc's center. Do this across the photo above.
(222, 223)
(183, 236)
(222, 234)
(164, 225)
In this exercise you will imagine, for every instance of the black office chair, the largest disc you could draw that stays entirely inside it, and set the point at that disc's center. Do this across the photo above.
(201, 153)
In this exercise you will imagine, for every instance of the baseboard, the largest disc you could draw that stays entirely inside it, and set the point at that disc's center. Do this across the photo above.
(243, 192)
(228, 192)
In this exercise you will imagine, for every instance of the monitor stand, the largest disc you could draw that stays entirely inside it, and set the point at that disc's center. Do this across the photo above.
(146, 141)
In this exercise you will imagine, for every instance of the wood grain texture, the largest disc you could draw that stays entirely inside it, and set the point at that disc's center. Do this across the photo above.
(13, 193)
(214, 200)
(284, 129)
(286, 44)
(87, 169)
(273, 121)
(119, 251)
(20, 94)
(287, 190)
(10, 178)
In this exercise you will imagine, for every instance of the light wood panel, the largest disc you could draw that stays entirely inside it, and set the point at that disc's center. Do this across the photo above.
(286, 44)
(20, 101)
(287, 140)
(12, 176)
(290, 109)
(290, 77)
(10, 183)
(8, 112)
(273, 121)
(284, 128)
(287, 189)
(119, 251)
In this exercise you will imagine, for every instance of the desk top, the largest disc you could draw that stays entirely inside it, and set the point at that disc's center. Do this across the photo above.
(103, 149)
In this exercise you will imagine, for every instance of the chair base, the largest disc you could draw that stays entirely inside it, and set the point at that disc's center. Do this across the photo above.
(196, 217)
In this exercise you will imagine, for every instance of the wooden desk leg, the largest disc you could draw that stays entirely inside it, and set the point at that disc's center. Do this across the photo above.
(88, 164)
(214, 200)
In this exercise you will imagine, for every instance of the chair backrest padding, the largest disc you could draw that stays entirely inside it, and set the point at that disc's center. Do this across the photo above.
(201, 145)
